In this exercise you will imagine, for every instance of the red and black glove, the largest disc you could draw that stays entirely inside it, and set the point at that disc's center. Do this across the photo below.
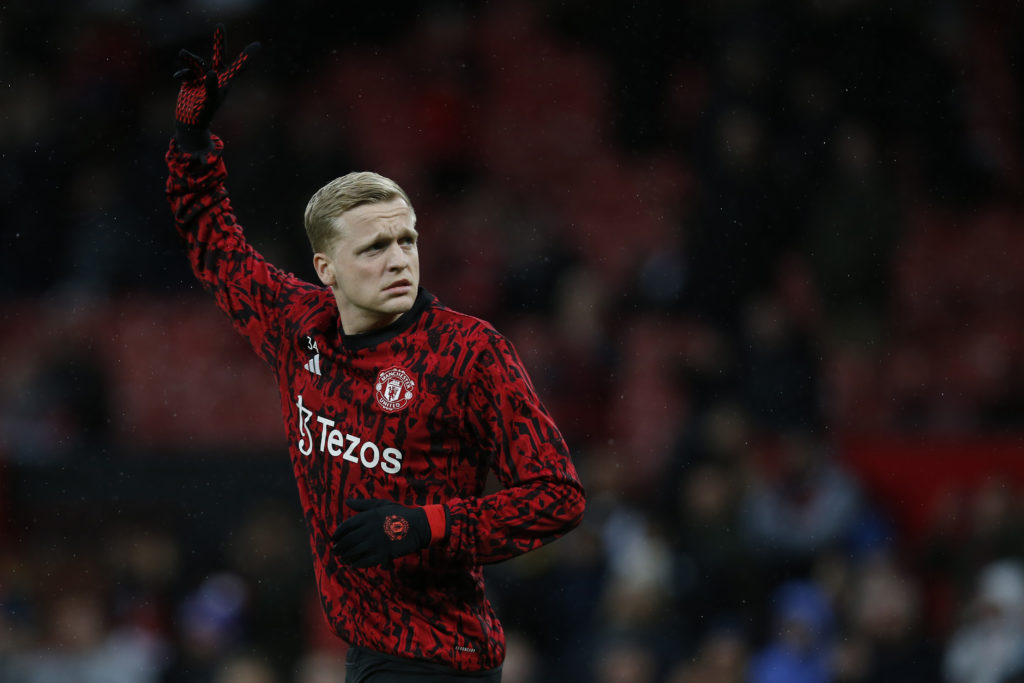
(384, 530)
(203, 90)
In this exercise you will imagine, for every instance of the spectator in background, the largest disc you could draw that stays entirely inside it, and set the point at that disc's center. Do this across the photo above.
(995, 525)
(850, 233)
(211, 623)
(77, 642)
(711, 560)
(62, 407)
(802, 646)
(637, 622)
(626, 660)
(971, 527)
(269, 543)
(805, 505)
(722, 657)
(522, 661)
(246, 669)
(777, 367)
(885, 640)
(320, 667)
(988, 644)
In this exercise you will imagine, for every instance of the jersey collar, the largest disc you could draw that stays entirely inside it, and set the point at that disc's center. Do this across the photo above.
(365, 340)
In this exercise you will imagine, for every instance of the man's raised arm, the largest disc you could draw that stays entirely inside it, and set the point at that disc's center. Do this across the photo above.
(244, 285)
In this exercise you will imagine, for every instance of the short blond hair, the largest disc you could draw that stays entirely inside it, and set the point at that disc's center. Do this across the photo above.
(343, 194)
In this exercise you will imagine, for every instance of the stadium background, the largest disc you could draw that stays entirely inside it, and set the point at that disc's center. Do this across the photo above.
(761, 259)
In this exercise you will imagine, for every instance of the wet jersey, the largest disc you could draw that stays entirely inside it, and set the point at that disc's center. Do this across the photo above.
(417, 412)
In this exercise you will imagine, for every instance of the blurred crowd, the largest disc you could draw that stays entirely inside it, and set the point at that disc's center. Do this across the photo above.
(724, 236)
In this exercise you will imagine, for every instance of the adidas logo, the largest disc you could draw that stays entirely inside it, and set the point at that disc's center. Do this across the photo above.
(313, 365)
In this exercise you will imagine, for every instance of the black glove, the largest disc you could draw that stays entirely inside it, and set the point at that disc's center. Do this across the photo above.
(382, 531)
(203, 90)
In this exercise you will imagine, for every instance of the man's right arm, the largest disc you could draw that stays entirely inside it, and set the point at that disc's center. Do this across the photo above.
(244, 285)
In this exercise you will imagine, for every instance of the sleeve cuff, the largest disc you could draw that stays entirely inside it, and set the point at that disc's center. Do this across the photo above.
(437, 520)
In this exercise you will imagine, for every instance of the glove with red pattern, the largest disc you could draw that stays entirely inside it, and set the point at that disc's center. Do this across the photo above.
(203, 90)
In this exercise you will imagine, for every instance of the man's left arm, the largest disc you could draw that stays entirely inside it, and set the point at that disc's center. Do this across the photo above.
(541, 497)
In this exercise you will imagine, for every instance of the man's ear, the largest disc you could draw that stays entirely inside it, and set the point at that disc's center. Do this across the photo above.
(324, 269)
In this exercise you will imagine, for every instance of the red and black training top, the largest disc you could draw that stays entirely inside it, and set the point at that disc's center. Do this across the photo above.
(417, 412)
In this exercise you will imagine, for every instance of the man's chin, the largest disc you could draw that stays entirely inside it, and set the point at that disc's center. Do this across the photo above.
(399, 304)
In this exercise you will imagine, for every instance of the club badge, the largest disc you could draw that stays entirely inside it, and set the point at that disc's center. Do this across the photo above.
(396, 527)
(394, 389)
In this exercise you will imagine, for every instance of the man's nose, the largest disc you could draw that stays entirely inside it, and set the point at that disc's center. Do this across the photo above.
(397, 258)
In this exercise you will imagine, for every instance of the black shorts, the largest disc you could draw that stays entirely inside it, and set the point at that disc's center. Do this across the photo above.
(367, 666)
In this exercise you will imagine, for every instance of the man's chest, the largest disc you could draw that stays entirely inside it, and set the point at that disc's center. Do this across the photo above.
(385, 410)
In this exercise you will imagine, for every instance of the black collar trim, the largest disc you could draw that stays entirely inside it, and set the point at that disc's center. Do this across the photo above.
(365, 340)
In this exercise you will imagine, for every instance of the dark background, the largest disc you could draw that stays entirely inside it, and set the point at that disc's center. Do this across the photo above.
(761, 260)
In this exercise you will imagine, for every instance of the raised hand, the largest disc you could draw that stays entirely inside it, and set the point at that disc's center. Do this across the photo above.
(203, 89)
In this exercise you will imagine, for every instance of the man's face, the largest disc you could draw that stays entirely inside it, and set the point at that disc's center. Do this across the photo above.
(373, 265)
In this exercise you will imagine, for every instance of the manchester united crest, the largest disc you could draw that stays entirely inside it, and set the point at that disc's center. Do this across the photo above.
(396, 527)
(394, 389)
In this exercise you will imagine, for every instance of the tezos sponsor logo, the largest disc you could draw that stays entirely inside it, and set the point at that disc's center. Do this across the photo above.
(334, 442)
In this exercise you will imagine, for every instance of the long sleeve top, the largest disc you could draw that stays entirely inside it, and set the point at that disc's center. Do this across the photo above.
(418, 412)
